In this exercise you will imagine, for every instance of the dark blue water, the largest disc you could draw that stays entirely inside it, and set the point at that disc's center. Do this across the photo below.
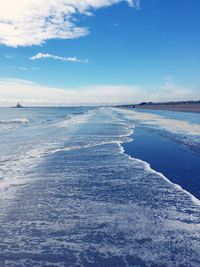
(177, 162)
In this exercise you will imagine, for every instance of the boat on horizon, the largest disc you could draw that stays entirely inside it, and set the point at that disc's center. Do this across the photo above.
(18, 106)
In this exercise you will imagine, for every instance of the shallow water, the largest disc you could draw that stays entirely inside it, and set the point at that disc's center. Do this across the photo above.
(176, 161)
(70, 196)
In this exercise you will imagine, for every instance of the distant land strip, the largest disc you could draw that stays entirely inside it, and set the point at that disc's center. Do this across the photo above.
(182, 106)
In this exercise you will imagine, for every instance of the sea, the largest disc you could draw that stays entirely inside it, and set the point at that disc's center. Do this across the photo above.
(99, 186)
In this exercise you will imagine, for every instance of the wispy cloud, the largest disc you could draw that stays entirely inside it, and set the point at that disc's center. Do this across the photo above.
(21, 68)
(34, 94)
(66, 59)
(32, 22)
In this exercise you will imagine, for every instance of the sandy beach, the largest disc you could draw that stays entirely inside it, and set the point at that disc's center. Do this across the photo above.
(173, 107)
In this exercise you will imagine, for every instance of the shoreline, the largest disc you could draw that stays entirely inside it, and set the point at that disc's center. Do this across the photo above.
(194, 108)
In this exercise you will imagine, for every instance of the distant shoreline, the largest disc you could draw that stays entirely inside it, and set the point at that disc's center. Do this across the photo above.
(172, 107)
(181, 106)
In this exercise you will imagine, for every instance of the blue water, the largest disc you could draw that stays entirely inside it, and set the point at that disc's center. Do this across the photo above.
(70, 196)
(176, 161)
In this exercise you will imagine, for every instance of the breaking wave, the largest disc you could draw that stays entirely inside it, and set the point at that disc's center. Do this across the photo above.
(20, 120)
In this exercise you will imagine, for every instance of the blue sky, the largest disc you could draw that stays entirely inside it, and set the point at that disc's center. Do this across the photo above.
(147, 50)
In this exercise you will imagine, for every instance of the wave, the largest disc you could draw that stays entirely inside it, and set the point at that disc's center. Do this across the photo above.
(19, 120)
(91, 145)
(119, 139)
(14, 166)
(98, 206)
(147, 168)
(181, 131)
(75, 119)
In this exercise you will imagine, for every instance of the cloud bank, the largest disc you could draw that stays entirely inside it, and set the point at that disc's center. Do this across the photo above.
(66, 59)
(32, 22)
(32, 94)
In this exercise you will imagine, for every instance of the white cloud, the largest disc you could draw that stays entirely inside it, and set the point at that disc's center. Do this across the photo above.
(66, 59)
(32, 22)
(170, 91)
(30, 93)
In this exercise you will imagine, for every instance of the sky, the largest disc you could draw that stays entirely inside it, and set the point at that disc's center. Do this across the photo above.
(70, 52)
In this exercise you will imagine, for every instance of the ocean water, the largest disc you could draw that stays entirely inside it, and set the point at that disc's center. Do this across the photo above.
(176, 161)
(71, 196)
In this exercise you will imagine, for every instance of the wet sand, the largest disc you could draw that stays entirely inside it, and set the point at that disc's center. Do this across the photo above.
(173, 107)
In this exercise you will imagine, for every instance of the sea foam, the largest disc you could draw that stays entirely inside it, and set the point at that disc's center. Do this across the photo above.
(173, 125)
(19, 120)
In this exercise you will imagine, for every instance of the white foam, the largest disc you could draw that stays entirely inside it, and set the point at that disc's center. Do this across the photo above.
(176, 126)
(13, 167)
(75, 120)
(70, 148)
(19, 120)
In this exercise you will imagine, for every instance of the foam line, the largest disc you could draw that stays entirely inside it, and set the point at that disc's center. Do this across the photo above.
(172, 125)
(21, 120)
(148, 168)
